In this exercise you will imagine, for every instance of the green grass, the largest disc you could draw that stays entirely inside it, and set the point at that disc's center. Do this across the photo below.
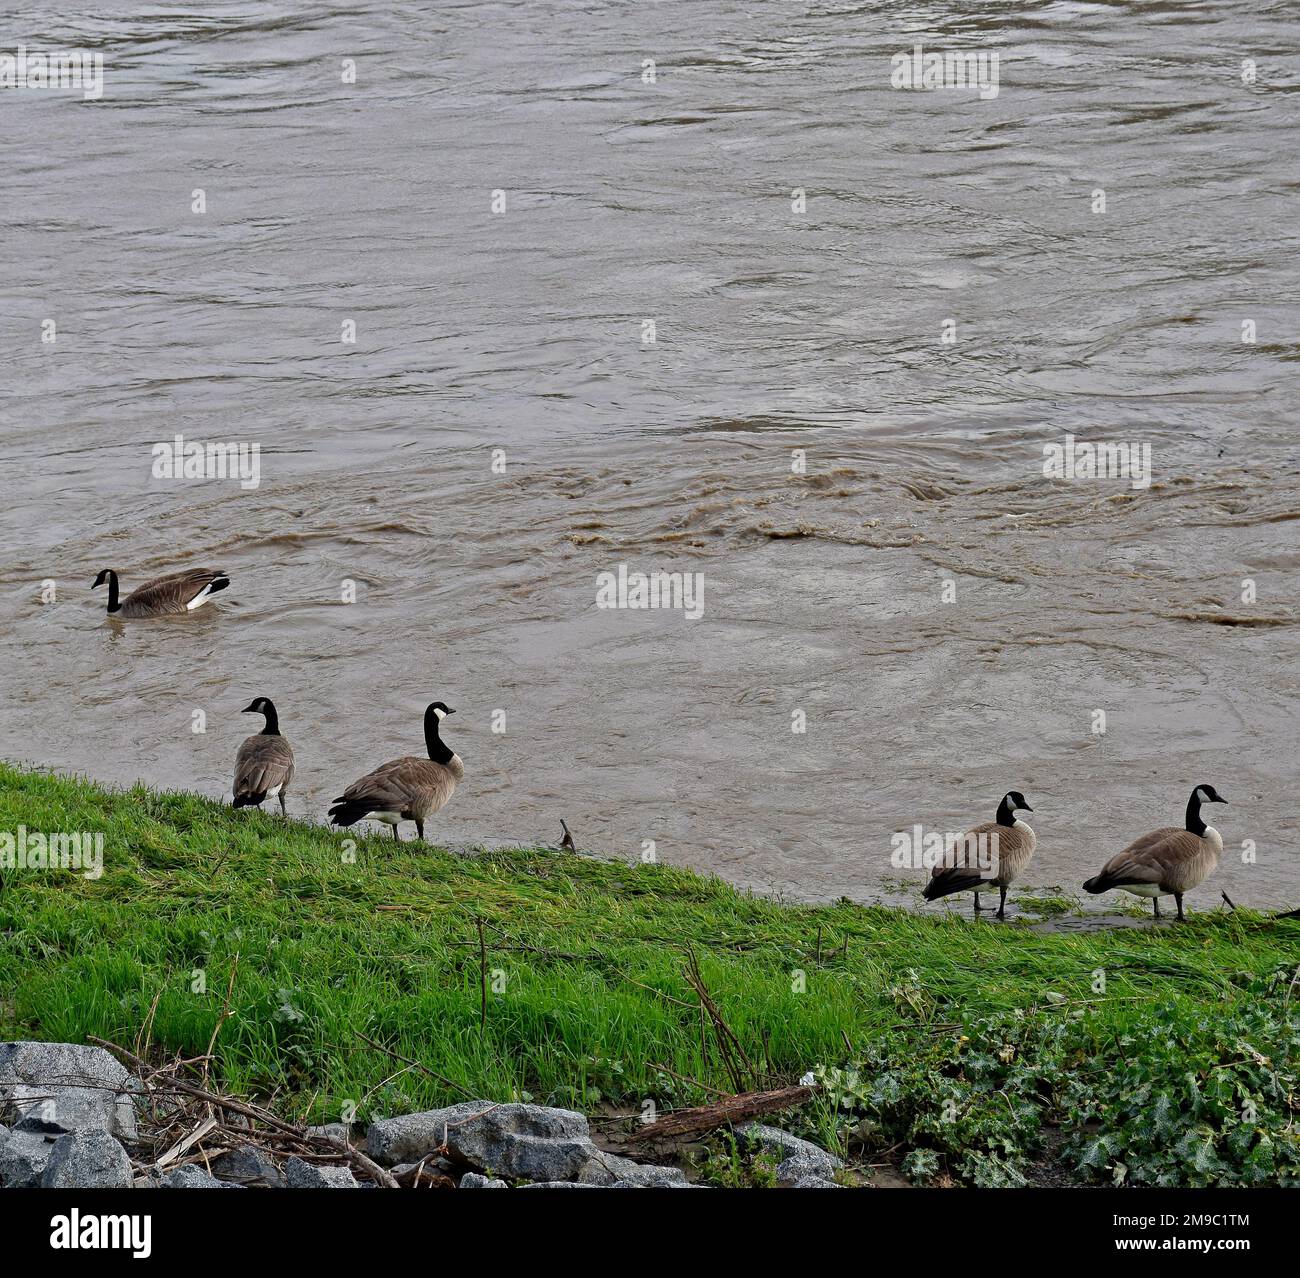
(590, 957)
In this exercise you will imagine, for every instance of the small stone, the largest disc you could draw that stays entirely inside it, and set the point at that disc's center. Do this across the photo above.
(813, 1160)
(23, 1159)
(558, 1184)
(814, 1182)
(612, 1169)
(192, 1176)
(88, 1160)
(472, 1180)
(670, 1184)
(299, 1174)
(249, 1167)
(428, 1166)
(332, 1131)
(802, 1167)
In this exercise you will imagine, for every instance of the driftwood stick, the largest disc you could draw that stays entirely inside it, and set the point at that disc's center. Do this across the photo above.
(731, 1110)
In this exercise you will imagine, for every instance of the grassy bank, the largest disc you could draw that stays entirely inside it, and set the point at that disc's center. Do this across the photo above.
(979, 1053)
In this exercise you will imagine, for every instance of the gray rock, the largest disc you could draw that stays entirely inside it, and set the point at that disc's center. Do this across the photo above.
(640, 1184)
(559, 1184)
(192, 1176)
(612, 1169)
(88, 1160)
(428, 1167)
(618, 1184)
(23, 1159)
(248, 1167)
(299, 1174)
(814, 1182)
(472, 1180)
(803, 1167)
(66, 1087)
(813, 1160)
(519, 1142)
(332, 1131)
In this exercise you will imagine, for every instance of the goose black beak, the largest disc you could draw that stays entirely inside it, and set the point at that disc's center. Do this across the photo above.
(1026, 808)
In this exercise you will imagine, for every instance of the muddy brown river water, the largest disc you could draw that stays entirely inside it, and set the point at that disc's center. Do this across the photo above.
(884, 563)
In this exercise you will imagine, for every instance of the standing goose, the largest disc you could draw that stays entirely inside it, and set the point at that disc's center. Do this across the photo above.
(407, 789)
(264, 764)
(175, 593)
(1168, 861)
(1010, 843)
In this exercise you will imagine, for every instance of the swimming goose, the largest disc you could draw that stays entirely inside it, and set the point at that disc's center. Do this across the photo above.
(1168, 861)
(178, 592)
(407, 789)
(1002, 849)
(264, 764)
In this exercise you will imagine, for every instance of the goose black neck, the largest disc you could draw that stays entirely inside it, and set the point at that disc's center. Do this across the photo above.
(1006, 814)
(1194, 822)
(439, 752)
(272, 728)
(113, 605)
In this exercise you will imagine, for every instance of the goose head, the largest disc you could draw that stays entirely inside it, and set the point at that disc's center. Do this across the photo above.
(1012, 800)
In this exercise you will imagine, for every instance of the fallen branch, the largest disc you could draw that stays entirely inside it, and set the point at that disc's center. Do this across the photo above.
(733, 1109)
(367, 1165)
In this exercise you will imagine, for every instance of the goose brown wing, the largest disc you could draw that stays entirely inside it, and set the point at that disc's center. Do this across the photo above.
(961, 866)
(1150, 858)
(262, 762)
(383, 790)
(174, 592)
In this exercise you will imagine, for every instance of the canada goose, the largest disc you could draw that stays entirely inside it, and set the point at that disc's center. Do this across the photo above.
(177, 592)
(407, 789)
(1009, 844)
(1168, 861)
(567, 842)
(264, 764)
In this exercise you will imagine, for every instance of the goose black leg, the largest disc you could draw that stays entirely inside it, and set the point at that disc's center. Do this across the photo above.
(284, 812)
(419, 829)
(977, 902)
(1002, 905)
(1178, 896)
(1155, 905)
(397, 837)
